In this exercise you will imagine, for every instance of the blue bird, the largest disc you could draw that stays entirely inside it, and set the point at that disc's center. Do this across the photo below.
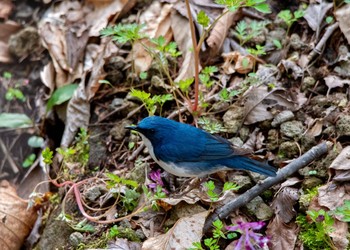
(184, 150)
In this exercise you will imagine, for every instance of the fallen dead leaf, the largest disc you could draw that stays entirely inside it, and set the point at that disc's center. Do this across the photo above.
(157, 20)
(283, 203)
(6, 7)
(260, 101)
(283, 236)
(333, 81)
(16, 219)
(342, 15)
(182, 235)
(181, 36)
(219, 32)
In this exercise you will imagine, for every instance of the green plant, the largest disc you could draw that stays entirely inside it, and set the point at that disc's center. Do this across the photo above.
(151, 102)
(212, 127)
(315, 229)
(212, 243)
(258, 51)
(205, 75)
(246, 32)
(289, 18)
(29, 160)
(14, 94)
(124, 33)
(210, 186)
(61, 95)
(128, 194)
(344, 211)
(309, 194)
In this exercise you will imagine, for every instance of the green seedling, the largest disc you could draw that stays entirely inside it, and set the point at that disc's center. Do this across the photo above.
(289, 18)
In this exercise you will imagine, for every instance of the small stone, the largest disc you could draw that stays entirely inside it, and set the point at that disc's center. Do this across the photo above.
(292, 129)
(117, 102)
(76, 238)
(273, 139)
(258, 208)
(243, 181)
(288, 150)
(94, 192)
(118, 131)
(343, 125)
(284, 116)
(236, 141)
(233, 119)
(311, 182)
(295, 42)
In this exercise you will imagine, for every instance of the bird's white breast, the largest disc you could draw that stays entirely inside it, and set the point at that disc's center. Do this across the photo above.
(169, 167)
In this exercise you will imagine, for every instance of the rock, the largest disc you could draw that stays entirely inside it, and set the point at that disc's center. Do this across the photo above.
(295, 42)
(233, 119)
(288, 150)
(292, 129)
(236, 141)
(284, 116)
(243, 181)
(308, 83)
(272, 139)
(118, 131)
(311, 182)
(343, 125)
(94, 192)
(258, 208)
(25, 42)
(76, 238)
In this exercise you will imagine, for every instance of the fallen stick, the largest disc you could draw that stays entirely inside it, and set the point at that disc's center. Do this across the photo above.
(282, 174)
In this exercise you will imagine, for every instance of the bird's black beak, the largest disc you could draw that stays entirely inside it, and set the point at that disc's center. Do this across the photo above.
(131, 127)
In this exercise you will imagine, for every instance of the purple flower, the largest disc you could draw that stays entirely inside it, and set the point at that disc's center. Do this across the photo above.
(248, 237)
(156, 177)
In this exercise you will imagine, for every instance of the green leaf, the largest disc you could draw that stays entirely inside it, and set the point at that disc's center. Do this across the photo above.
(277, 43)
(203, 19)
(14, 120)
(47, 155)
(7, 75)
(263, 7)
(35, 141)
(61, 95)
(29, 161)
(185, 84)
(143, 75)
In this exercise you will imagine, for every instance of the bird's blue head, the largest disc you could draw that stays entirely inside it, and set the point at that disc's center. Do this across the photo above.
(155, 128)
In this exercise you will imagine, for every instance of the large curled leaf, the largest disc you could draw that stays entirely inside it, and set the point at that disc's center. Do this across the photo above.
(61, 95)
(14, 120)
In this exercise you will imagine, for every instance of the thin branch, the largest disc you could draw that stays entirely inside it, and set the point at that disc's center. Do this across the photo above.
(282, 174)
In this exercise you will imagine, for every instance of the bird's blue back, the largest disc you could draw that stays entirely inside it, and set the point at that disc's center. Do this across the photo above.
(195, 149)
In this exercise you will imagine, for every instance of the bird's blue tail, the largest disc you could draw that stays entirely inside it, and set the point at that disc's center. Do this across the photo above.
(245, 163)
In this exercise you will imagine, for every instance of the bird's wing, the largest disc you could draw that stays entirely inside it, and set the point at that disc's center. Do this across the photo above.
(195, 145)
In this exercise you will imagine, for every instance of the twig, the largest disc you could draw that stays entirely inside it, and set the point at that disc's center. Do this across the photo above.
(282, 174)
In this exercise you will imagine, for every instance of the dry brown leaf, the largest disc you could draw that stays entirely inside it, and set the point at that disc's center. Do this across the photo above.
(283, 236)
(103, 11)
(181, 37)
(123, 244)
(157, 20)
(342, 161)
(316, 129)
(234, 61)
(315, 14)
(47, 76)
(6, 7)
(332, 196)
(181, 236)
(283, 203)
(7, 29)
(291, 66)
(16, 220)
(340, 234)
(219, 32)
(259, 102)
(333, 81)
(78, 114)
(342, 15)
